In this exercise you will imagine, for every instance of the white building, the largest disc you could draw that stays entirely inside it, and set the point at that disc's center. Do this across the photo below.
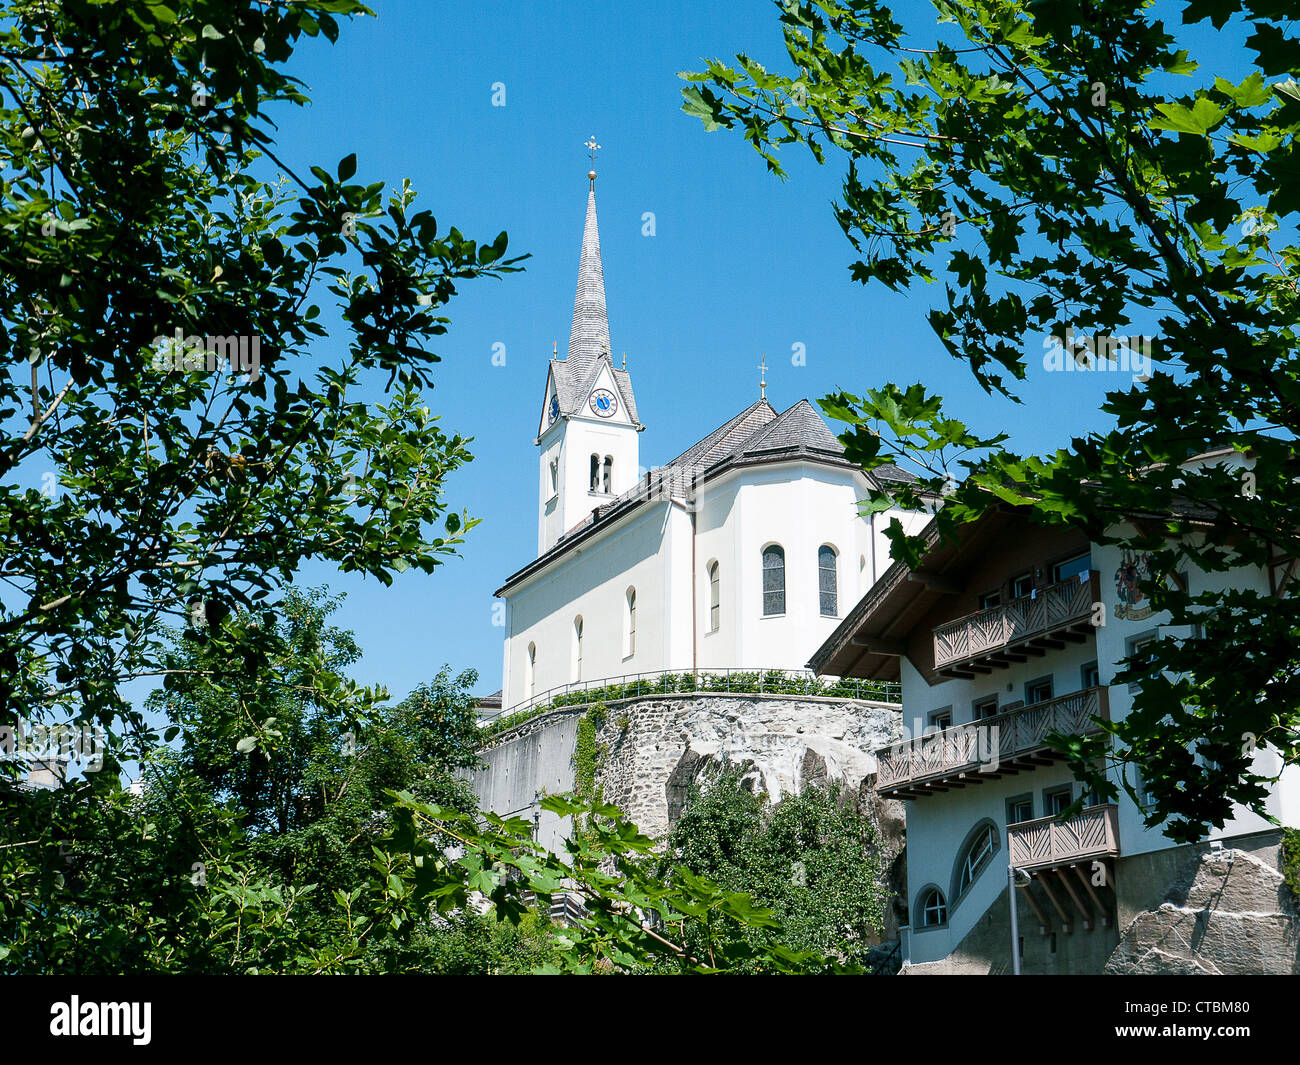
(741, 552)
(996, 642)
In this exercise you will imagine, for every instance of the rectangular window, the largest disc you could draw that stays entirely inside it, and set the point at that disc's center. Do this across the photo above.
(1090, 676)
(1038, 691)
(1140, 648)
(941, 719)
(1140, 786)
(986, 707)
(1071, 567)
(1020, 808)
(1021, 586)
(989, 600)
(1056, 799)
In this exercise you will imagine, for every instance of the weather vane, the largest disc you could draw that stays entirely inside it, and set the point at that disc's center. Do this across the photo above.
(592, 148)
(762, 379)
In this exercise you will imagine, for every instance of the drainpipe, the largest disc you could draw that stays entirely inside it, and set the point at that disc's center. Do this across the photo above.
(1015, 930)
(689, 509)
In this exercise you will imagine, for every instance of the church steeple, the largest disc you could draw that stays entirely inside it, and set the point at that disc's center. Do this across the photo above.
(588, 429)
(589, 336)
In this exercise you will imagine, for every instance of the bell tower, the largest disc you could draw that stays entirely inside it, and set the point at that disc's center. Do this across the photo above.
(587, 435)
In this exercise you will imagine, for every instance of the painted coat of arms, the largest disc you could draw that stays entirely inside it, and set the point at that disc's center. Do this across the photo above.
(1129, 597)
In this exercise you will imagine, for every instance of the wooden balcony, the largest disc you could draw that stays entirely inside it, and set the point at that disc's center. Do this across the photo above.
(1032, 625)
(985, 750)
(1047, 842)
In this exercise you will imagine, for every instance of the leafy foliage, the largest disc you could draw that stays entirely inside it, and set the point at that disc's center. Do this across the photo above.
(143, 200)
(812, 858)
(1067, 166)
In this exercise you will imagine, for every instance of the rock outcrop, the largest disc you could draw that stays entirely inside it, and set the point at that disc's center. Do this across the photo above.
(1227, 913)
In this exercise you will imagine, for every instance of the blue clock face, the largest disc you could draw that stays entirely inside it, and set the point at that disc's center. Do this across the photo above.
(603, 403)
(555, 407)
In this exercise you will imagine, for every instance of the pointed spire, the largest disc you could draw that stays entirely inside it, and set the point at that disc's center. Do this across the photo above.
(590, 335)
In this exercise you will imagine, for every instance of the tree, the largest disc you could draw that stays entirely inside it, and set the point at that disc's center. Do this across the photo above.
(234, 856)
(164, 273)
(1067, 169)
(811, 858)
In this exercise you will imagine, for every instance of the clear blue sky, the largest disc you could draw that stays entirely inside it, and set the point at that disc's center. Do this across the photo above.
(741, 263)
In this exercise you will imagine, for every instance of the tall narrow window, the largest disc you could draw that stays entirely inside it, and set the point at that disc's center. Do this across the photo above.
(629, 624)
(577, 648)
(773, 580)
(975, 857)
(532, 670)
(595, 473)
(609, 474)
(715, 598)
(827, 586)
(555, 476)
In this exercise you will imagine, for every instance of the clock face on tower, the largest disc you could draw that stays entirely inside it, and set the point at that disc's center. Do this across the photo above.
(603, 403)
(555, 408)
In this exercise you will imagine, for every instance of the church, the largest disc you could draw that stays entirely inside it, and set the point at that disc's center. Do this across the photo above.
(743, 552)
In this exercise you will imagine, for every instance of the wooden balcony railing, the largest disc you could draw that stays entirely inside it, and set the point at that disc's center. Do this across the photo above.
(1046, 841)
(1004, 743)
(1002, 634)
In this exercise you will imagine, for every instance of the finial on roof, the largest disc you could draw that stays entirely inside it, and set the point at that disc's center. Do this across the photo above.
(592, 148)
(625, 360)
(555, 349)
(762, 378)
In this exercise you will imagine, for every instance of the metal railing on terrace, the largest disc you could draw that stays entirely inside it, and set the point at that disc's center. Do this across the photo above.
(667, 682)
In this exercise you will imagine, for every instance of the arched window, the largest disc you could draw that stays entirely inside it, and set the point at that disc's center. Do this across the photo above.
(827, 585)
(978, 851)
(532, 670)
(773, 580)
(577, 648)
(609, 474)
(595, 473)
(715, 598)
(629, 623)
(932, 907)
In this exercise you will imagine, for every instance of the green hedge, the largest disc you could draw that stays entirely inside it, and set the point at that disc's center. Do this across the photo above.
(772, 681)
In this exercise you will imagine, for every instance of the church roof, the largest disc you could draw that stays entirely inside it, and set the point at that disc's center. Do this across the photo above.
(756, 436)
(589, 336)
(589, 345)
(573, 390)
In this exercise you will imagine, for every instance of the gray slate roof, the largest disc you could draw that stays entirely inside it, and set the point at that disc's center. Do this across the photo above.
(755, 436)
(590, 333)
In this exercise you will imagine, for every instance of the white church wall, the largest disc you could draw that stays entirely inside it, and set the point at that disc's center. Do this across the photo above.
(582, 439)
(591, 580)
(800, 507)
(716, 540)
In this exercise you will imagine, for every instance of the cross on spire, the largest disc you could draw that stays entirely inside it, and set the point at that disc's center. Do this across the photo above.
(592, 148)
(762, 379)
